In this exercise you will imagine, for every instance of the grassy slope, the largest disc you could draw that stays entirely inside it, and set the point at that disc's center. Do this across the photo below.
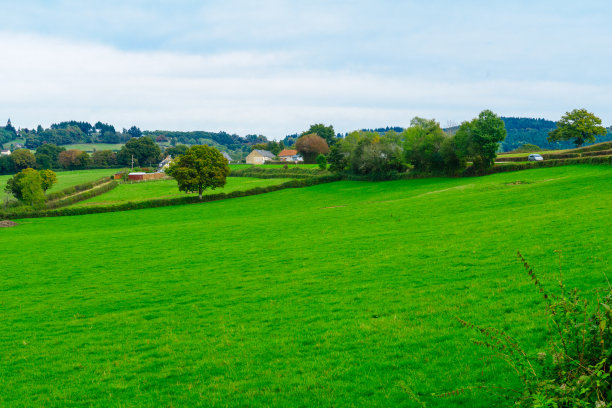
(336, 295)
(68, 178)
(169, 188)
(90, 147)
(274, 166)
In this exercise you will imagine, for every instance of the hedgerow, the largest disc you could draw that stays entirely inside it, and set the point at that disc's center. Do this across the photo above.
(75, 198)
(75, 189)
(261, 172)
(154, 203)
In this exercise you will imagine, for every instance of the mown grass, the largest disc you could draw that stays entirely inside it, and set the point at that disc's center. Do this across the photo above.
(342, 294)
(169, 188)
(274, 166)
(525, 154)
(67, 178)
(91, 147)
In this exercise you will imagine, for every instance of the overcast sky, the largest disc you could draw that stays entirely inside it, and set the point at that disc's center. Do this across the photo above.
(275, 67)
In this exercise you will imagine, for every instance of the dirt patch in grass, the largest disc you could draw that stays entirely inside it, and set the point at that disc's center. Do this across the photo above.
(518, 182)
(7, 224)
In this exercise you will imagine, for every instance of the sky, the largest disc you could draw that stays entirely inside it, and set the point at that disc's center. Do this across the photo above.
(276, 67)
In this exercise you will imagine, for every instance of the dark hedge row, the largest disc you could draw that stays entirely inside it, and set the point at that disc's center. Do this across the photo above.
(96, 191)
(262, 172)
(551, 156)
(31, 213)
(75, 189)
(545, 163)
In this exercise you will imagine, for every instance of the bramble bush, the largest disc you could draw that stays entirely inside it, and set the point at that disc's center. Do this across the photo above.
(574, 371)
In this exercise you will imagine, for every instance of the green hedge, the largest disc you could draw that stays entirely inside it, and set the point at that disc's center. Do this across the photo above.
(545, 163)
(261, 172)
(550, 156)
(75, 189)
(83, 196)
(31, 213)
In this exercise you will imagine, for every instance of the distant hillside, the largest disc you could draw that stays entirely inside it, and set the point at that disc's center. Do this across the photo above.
(535, 131)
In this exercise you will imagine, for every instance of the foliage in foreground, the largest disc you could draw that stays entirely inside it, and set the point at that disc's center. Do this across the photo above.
(574, 371)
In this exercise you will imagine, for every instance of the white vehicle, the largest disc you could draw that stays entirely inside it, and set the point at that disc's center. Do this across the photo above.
(535, 157)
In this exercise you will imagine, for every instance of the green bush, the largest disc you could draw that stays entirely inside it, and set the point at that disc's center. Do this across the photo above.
(262, 172)
(574, 371)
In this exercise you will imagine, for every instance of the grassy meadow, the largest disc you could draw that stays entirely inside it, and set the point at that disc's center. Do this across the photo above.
(341, 294)
(92, 147)
(169, 188)
(274, 166)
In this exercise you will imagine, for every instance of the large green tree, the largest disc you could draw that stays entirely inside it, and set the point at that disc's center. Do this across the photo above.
(144, 150)
(479, 139)
(580, 125)
(26, 186)
(23, 158)
(47, 155)
(326, 132)
(423, 143)
(201, 167)
(48, 178)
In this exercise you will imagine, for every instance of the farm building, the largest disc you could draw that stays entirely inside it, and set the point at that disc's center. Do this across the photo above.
(288, 155)
(141, 176)
(259, 157)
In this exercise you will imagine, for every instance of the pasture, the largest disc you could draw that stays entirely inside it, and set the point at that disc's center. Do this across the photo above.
(169, 188)
(340, 294)
(274, 166)
(92, 147)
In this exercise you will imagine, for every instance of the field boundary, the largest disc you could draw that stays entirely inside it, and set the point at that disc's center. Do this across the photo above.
(156, 203)
(295, 173)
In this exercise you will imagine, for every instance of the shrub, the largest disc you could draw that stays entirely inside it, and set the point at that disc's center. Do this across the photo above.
(575, 369)
(322, 161)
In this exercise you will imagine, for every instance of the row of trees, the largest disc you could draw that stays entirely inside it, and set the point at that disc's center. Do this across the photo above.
(71, 132)
(142, 151)
(424, 146)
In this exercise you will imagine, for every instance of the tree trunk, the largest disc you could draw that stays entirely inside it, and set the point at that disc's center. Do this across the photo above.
(200, 192)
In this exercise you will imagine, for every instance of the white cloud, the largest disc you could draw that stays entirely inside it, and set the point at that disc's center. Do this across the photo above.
(45, 80)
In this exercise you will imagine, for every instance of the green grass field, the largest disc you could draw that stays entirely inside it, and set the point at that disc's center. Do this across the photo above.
(68, 178)
(7, 145)
(91, 147)
(341, 294)
(275, 166)
(528, 153)
(169, 188)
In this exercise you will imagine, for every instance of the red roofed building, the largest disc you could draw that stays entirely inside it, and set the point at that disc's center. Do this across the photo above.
(288, 155)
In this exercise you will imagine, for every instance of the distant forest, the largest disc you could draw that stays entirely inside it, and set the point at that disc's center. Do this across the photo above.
(535, 131)
(520, 131)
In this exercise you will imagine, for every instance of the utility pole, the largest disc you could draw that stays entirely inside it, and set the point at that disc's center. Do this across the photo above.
(132, 162)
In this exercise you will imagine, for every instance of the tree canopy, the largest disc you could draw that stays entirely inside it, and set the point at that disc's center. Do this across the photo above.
(144, 150)
(23, 158)
(479, 139)
(201, 167)
(310, 146)
(326, 132)
(580, 125)
(27, 187)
